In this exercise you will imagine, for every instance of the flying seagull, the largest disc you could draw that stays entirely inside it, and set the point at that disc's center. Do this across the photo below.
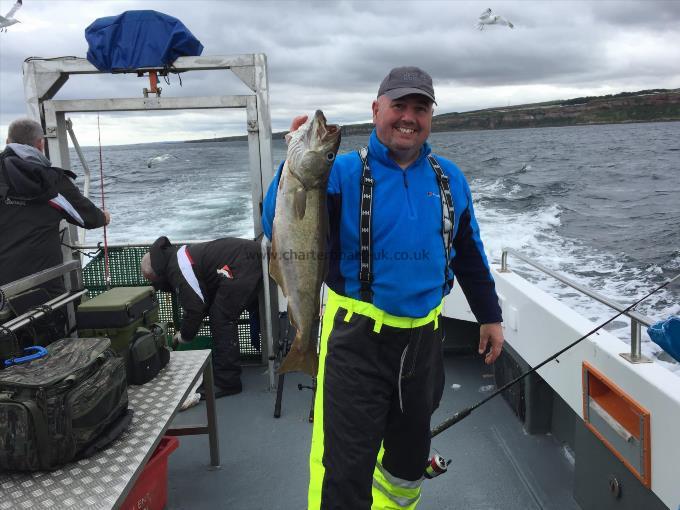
(487, 18)
(8, 20)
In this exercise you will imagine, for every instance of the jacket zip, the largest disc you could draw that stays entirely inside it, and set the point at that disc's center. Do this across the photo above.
(411, 212)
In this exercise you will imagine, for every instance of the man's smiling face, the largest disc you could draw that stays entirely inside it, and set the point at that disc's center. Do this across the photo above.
(403, 124)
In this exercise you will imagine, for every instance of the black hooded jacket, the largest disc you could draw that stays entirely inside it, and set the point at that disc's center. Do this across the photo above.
(34, 198)
(231, 263)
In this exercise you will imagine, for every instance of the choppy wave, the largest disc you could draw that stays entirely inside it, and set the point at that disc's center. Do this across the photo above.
(536, 233)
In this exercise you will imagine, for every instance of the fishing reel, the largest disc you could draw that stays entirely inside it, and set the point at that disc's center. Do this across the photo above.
(436, 466)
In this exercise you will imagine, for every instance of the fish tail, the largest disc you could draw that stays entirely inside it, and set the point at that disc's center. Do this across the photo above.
(298, 360)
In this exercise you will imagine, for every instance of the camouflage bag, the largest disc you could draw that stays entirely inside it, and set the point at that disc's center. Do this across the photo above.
(62, 407)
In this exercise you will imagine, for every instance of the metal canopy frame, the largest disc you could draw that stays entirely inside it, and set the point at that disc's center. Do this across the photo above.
(43, 78)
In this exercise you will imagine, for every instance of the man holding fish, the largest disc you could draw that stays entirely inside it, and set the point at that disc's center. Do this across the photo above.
(394, 227)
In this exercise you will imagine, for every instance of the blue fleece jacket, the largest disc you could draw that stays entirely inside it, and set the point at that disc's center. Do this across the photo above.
(408, 250)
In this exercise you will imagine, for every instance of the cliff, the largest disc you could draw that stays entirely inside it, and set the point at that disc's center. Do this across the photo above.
(647, 106)
(643, 106)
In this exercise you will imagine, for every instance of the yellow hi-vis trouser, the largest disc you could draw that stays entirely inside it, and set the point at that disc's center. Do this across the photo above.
(380, 378)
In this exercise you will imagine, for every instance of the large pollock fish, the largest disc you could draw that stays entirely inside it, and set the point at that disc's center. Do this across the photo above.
(299, 234)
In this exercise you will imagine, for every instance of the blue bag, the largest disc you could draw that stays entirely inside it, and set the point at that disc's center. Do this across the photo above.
(666, 334)
(136, 39)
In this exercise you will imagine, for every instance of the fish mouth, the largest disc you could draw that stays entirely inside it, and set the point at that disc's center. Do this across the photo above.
(332, 130)
(321, 130)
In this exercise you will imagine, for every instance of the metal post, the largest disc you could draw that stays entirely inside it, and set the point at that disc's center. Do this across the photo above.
(86, 186)
(81, 157)
(504, 262)
(635, 355)
(57, 147)
(269, 331)
(263, 116)
(208, 384)
(635, 338)
(256, 175)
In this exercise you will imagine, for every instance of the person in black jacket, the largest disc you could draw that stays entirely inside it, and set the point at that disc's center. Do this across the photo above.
(34, 198)
(220, 278)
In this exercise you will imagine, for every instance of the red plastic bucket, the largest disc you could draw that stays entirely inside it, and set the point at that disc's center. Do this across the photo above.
(151, 490)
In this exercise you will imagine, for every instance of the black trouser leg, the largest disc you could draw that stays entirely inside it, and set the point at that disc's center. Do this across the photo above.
(225, 352)
(231, 298)
(361, 371)
(407, 434)
(226, 364)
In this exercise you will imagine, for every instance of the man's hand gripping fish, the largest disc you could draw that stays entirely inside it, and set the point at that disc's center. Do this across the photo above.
(299, 234)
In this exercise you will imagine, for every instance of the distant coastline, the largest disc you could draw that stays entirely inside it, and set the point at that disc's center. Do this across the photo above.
(657, 105)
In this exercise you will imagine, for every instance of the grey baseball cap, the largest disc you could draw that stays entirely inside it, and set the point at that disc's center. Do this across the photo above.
(402, 81)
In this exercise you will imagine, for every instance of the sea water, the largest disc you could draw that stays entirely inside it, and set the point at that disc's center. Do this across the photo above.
(599, 204)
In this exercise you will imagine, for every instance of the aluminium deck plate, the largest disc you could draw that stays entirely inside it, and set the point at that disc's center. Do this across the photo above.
(105, 479)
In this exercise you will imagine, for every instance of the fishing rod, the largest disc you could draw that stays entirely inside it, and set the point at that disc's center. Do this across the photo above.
(107, 274)
(452, 420)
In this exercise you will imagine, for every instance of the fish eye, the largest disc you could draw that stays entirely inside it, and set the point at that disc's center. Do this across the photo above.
(330, 156)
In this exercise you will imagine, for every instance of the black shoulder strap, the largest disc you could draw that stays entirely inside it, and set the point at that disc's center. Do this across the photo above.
(447, 212)
(365, 262)
(367, 183)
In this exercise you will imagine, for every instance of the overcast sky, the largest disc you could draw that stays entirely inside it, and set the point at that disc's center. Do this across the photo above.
(333, 54)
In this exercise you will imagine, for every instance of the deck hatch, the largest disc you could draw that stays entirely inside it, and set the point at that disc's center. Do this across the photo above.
(618, 421)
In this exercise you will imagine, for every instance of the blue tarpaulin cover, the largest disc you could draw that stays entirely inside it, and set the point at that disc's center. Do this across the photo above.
(666, 334)
(136, 39)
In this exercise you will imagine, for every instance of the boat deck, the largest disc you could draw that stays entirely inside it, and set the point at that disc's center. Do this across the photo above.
(496, 465)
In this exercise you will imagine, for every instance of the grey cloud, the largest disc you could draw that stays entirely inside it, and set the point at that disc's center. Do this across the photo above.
(336, 53)
(658, 15)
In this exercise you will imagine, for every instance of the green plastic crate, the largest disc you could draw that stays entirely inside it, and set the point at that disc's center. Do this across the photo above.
(120, 337)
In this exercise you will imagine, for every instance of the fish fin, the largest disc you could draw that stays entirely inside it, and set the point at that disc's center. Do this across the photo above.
(298, 360)
(300, 203)
(275, 268)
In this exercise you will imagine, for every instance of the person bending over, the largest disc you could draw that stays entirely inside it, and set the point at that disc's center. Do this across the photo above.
(220, 278)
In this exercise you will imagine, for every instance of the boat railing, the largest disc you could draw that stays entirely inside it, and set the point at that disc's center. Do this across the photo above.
(74, 290)
(138, 244)
(637, 320)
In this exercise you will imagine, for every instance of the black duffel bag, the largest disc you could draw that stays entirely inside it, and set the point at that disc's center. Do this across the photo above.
(62, 407)
(149, 354)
